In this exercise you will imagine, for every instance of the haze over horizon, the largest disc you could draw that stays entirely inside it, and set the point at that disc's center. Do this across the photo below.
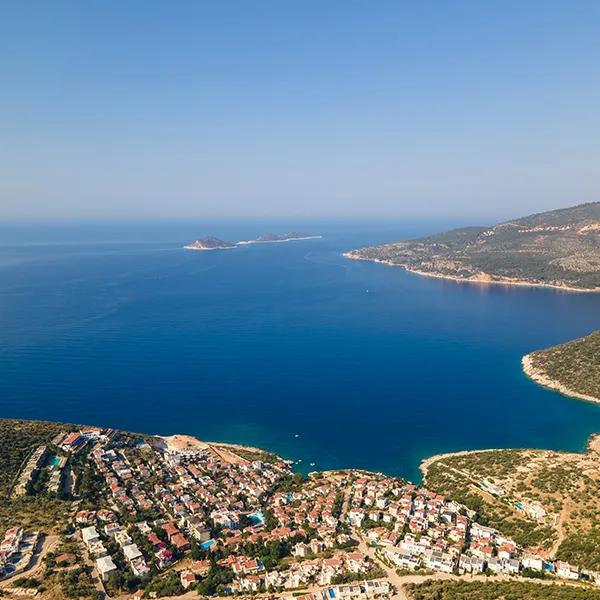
(182, 110)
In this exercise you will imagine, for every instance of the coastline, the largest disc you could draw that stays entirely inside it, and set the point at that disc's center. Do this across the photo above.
(481, 280)
(592, 445)
(427, 462)
(537, 375)
(182, 441)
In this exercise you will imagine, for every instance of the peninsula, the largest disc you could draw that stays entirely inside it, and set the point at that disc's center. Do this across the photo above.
(560, 249)
(89, 512)
(572, 368)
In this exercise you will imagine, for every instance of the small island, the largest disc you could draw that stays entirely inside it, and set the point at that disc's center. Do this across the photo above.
(209, 243)
(273, 238)
(214, 243)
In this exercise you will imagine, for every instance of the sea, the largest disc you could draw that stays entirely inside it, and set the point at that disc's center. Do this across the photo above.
(291, 347)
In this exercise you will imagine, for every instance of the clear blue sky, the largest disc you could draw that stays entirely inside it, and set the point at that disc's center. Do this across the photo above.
(133, 108)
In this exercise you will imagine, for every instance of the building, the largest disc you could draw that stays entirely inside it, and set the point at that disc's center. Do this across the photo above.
(106, 567)
(471, 564)
(89, 535)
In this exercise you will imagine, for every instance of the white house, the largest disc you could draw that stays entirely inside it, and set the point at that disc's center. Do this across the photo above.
(89, 534)
(106, 567)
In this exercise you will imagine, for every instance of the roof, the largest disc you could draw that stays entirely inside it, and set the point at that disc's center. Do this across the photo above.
(89, 533)
(179, 540)
(105, 564)
(72, 437)
(131, 551)
(67, 557)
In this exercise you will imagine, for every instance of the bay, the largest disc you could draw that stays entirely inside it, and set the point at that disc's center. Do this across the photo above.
(290, 346)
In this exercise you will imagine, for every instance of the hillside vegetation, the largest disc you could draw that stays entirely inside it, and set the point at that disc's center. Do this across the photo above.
(565, 485)
(497, 590)
(559, 248)
(18, 439)
(573, 367)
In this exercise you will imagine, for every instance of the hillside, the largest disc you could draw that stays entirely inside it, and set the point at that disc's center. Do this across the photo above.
(560, 248)
(541, 498)
(493, 590)
(18, 440)
(572, 368)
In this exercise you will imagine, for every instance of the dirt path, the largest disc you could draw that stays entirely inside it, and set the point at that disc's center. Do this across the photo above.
(391, 574)
(559, 528)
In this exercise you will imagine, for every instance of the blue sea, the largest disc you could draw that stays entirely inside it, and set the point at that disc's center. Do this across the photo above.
(289, 346)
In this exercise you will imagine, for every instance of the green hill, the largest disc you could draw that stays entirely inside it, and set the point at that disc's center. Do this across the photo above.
(496, 590)
(572, 368)
(559, 248)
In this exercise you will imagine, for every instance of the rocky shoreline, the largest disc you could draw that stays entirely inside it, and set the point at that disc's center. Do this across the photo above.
(483, 278)
(541, 378)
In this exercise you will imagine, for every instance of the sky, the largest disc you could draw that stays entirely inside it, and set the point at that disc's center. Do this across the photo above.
(131, 109)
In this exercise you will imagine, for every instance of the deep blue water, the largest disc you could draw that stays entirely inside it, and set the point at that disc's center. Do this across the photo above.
(372, 367)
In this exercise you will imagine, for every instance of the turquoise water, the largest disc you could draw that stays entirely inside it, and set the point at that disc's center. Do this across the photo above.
(206, 545)
(257, 518)
(367, 365)
(55, 461)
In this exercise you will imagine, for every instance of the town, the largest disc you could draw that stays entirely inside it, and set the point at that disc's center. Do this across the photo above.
(155, 517)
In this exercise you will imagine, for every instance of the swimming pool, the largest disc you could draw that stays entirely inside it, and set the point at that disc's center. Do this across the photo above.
(257, 518)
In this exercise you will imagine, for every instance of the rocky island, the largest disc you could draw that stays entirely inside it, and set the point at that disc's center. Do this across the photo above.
(209, 243)
(560, 248)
